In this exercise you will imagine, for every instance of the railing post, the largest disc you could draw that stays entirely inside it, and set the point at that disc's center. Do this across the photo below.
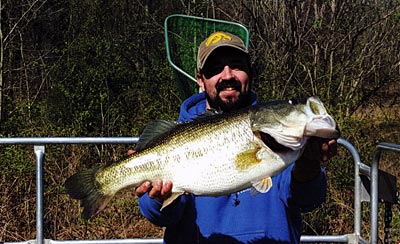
(357, 185)
(374, 185)
(39, 152)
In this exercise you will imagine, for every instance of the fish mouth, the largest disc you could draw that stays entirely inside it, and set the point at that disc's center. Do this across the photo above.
(272, 143)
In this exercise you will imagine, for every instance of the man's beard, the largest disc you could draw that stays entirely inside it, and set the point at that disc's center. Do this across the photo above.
(231, 104)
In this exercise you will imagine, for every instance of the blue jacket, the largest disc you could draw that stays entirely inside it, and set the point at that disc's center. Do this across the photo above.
(272, 217)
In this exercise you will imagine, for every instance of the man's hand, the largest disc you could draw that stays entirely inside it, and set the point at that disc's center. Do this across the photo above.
(316, 152)
(159, 190)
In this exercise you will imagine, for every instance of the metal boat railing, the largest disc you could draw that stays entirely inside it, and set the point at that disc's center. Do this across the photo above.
(360, 169)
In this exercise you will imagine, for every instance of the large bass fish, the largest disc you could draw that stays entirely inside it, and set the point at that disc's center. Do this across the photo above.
(213, 155)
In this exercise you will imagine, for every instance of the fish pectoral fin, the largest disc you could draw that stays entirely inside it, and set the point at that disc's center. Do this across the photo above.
(248, 158)
(171, 199)
(263, 186)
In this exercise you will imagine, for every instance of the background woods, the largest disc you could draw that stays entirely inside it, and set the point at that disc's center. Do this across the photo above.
(98, 68)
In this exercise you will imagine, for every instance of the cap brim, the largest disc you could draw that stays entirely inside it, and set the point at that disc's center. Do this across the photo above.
(216, 47)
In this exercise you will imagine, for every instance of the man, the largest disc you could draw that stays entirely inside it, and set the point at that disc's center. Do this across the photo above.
(225, 77)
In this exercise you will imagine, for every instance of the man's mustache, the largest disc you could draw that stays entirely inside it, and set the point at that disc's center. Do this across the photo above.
(232, 83)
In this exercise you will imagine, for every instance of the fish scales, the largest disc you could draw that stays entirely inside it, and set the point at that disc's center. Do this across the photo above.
(215, 155)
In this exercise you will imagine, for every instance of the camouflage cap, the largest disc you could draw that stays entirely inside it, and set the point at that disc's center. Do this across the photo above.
(215, 40)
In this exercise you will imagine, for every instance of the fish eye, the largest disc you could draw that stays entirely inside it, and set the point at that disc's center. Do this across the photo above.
(316, 108)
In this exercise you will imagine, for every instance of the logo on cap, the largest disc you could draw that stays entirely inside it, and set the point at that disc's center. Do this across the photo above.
(217, 37)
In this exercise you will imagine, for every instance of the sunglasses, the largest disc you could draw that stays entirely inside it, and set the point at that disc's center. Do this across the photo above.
(225, 56)
(214, 69)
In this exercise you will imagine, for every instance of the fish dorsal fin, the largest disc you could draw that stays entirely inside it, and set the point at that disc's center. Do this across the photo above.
(153, 131)
(248, 158)
(263, 186)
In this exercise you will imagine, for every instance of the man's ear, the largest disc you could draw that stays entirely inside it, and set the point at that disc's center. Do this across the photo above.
(200, 81)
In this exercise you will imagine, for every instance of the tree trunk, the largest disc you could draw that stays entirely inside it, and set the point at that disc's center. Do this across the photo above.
(1, 65)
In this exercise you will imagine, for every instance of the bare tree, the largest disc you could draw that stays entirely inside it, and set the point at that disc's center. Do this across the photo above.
(15, 18)
(1, 61)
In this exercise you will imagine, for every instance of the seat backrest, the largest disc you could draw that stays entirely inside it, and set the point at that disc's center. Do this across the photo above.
(183, 35)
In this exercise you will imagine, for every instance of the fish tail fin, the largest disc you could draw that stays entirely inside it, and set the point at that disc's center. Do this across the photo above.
(84, 187)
